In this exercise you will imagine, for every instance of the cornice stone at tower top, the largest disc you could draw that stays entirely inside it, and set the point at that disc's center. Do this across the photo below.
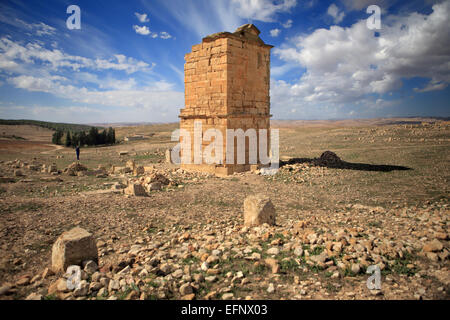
(247, 32)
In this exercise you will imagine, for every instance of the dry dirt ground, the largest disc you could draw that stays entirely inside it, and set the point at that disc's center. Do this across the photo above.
(387, 204)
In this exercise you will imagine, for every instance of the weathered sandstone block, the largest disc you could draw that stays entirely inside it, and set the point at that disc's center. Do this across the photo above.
(72, 248)
(258, 209)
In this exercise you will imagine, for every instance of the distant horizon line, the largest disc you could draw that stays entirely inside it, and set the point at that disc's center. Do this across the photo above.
(124, 123)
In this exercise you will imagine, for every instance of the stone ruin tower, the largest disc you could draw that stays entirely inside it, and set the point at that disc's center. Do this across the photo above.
(227, 79)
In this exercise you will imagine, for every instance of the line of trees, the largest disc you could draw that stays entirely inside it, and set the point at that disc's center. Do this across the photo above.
(92, 138)
(48, 125)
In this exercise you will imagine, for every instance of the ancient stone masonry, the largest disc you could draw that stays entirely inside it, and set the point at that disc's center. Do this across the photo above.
(227, 80)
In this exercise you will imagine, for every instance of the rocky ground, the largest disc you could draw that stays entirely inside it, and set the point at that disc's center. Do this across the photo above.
(185, 238)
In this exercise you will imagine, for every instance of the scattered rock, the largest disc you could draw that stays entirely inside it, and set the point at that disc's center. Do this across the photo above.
(433, 246)
(34, 296)
(186, 289)
(72, 248)
(258, 209)
(273, 264)
(90, 266)
(135, 189)
(227, 296)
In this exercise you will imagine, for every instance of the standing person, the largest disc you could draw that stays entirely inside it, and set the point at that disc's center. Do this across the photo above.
(77, 150)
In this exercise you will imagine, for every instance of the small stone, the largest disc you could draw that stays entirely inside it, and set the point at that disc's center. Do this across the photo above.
(198, 277)
(23, 281)
(188, 297)
(47, 272)
(96, 276)
(113, 285)
(321, 258)
(355, 268)
(204, 266)
(211, 279)
(271, 288)
(133, 295)
(227, 296)
(298, 251)
(18, 173)
(103, 292)
(82, 289)
(177, 274)
(212, 259)
(90, 266)
(273, 264)
(432, 256)
(154, 186)
(164, 269)
(186, 289)
(433, 246)
(4, 289)
(255, 256)
(34, 296)
(59, 285)
(273, 251)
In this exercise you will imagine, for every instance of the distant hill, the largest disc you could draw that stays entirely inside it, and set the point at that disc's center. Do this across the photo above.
(49, 125)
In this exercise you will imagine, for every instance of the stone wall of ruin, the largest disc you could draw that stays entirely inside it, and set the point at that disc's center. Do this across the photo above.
(227, 81)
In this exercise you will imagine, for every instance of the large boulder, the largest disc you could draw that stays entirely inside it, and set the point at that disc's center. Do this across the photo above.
(169, 155)
(52, 168)
(139, 170)
(72, 248)
(130, 165)
(135, 189)
(258, 209)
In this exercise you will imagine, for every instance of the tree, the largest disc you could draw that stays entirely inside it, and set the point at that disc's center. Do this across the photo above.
(93, 136)
(83, 138)
(111, 136)
(75, 139)
(68, 142)
(56, 138)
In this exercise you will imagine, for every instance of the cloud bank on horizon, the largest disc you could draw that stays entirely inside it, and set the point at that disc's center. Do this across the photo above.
(125, 64)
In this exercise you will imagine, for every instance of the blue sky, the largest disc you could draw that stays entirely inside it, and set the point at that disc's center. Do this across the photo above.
(125, 64)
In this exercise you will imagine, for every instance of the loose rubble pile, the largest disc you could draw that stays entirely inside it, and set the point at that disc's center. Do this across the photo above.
(328, 158)
(228, 260)
(74, 168)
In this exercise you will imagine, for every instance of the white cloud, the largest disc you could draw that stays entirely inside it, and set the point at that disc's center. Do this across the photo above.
(288, 24)
(222, 15)
(333, 11)
(142, 17)
(157, 96)
(144, 30)
(432, 86)
(275, 32)
(262, 10)
(15, 57)
(39, 29)
(34, 68)
(164, 35)
(346, 65)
